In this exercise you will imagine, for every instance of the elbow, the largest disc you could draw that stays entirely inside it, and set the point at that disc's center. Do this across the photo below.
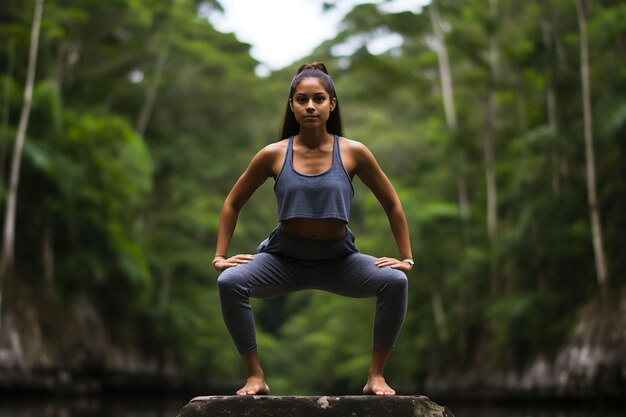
(393, 207)
(395, 213)
(230, 207)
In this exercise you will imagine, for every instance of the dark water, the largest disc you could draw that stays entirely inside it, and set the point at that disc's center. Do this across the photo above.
(170, 406)
(92, 407)
(563, 410)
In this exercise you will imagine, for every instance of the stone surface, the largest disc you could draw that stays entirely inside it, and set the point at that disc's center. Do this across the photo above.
(326, 406)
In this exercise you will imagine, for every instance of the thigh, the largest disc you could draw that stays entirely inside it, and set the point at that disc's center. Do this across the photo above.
(266, 275)
(358, 276)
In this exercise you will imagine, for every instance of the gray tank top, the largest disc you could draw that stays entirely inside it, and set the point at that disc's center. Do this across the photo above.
(327, 195)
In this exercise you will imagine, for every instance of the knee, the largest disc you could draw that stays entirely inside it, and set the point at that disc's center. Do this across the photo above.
(396, 280)
(229, 281)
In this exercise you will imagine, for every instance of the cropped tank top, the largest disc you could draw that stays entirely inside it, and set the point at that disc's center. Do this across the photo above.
(327, 195)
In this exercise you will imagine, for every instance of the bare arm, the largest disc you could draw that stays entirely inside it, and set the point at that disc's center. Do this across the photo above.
(256, 174)
(368, 170)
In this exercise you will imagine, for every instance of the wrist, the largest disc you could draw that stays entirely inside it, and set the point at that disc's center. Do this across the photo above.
(408, 261)
(217, 259)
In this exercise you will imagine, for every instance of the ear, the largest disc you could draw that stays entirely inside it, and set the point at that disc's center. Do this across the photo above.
(333, 103)
(291, 104)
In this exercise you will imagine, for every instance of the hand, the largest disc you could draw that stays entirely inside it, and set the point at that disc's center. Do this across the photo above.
(224, 263)
(393, 263)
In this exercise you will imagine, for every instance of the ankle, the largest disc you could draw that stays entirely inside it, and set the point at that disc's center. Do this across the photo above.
(257, 374)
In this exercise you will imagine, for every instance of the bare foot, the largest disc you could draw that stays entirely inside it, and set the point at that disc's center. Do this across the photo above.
(376, 385)
(255, 385)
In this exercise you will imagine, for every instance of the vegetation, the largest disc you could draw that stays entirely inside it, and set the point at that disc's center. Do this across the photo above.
(143, 116)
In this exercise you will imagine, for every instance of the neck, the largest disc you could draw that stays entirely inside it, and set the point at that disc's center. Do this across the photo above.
(313, 138)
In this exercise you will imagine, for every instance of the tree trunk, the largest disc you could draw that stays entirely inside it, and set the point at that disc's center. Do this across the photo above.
(164, 291)
(461, 188)
(552, 126)
(447, 92)
(47, 254)
(546, 31)
(440, 316)
(596, 225)
(8, 244)
(148, 104)
(489, 140)
(6, 263)
(490, 174)
(490, 131)
(6, 110)
(444, 67)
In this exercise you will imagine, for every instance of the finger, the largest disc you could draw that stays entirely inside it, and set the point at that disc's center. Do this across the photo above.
(402, 266)
(238, 258)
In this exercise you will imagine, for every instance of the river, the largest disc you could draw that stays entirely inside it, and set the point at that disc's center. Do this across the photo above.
(170, 406)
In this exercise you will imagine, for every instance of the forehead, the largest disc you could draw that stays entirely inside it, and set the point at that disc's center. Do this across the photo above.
(310, 85)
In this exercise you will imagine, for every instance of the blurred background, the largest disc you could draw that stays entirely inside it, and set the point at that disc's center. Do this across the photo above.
(501, 124)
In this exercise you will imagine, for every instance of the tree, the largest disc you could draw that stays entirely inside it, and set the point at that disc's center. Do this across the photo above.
(447, 92)
(490, 120)
(8, 241)
(445, 75)
(592, 197)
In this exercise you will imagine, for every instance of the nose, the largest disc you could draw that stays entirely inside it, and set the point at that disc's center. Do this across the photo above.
(309, 106)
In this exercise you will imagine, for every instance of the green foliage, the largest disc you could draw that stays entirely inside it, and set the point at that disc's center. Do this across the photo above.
(131, 220)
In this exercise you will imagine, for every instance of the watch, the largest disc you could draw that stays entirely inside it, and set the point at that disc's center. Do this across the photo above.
(408, 261)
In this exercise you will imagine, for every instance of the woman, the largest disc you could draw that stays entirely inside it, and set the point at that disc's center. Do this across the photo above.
(312, 248)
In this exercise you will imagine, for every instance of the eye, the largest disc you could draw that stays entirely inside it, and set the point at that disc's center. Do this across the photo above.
(319, 99)
(300, 99)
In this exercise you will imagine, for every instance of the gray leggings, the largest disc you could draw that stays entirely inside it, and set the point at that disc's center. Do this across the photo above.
(287, 263)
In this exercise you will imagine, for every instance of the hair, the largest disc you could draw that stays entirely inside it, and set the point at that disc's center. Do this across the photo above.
(290, 125)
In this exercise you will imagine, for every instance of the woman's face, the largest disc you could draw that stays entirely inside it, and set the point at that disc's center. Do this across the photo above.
(311, 103)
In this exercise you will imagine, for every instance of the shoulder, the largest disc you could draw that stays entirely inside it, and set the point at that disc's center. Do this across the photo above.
(356, 157)
(270, 157)
(271, 151)
(356, 150)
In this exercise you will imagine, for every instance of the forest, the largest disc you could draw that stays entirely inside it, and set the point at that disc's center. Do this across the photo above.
(501, 124)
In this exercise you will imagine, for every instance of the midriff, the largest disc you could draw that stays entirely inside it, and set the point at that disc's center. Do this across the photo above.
(320, 229)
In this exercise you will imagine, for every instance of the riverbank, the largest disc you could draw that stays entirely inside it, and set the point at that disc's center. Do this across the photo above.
(590, 366)
(69, 352)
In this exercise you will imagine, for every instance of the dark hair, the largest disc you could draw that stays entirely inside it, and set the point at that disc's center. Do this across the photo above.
(290, 125)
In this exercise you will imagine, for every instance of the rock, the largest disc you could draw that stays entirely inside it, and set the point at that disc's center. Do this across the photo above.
(301, 406)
